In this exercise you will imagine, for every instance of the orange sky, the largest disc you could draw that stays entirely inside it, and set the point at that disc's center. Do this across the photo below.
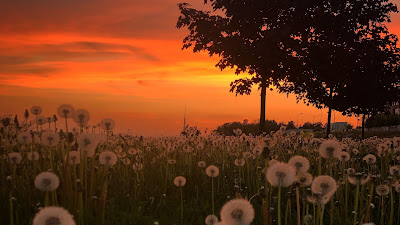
(122, 59)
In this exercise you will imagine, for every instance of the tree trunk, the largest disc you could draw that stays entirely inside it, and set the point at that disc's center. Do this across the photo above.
(262, 110)
(328, 124)
(363, 127)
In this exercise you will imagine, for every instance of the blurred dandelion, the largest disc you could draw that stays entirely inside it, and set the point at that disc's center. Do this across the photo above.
(237, 212)
(36, 110)
(50, 138)
(330, 149)
(108, 158)
(65, 111)
(211, 220)
(14, 158)
(46, 181)
(53, 216)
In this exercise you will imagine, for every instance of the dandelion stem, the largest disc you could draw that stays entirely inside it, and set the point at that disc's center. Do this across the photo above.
(212, 194)
(298, 205)
(356, 204)
(382, 210)
(322, 215)
(391, 206)
(279, 206)
(11, 210)
(181, 205)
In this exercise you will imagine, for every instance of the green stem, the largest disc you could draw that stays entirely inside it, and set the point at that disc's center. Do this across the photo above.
(279, 206)
(356, 205)
(181, 206)
(212, 194)
(11, 210)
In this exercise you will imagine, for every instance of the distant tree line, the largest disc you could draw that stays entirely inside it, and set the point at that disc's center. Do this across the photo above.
(270, 125)
(382, 121)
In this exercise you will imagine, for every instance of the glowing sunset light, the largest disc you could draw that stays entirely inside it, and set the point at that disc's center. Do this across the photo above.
(123, 60)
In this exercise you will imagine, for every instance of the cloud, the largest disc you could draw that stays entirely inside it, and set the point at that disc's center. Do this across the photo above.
(117, 18)
(29, 59)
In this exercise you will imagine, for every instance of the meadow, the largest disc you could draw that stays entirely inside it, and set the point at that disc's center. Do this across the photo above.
(94, 176)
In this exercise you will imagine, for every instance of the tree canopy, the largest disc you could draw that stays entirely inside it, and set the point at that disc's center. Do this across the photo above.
(330, 53)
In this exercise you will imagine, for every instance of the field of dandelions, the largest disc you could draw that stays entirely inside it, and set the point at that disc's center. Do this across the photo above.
(94, 176)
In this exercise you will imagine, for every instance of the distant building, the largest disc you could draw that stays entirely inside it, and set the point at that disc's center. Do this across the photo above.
(393, 109)
(339, 126)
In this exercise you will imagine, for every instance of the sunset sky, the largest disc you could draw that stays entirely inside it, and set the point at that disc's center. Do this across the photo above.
(122, 59)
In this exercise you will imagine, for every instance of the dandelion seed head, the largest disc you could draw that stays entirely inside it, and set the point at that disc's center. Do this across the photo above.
(33, 156)
(330, 149)
(108, 158)
(318, 199)
(281, 174)
(201, 164)
(304, 179)
(46, 181)
(344, 156)
(211, 220)
(370, 159)
(24, 137)
(65, 111)
(324, 184)
(239, 162)
(180, 181)
(50, 138)
(107, 124)
(74, 158)
(237, 212)
(212, 171)
(382, 190)
(87, 143)
(301, 163)
(81, 117)
(14, 158)
(53, 216)
(36, 110)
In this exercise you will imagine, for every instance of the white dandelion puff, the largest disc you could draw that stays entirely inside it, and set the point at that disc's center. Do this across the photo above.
(281, 175)
(14, 158)
(53, 216)
(107, 124)
(24, 137)
(65, 111)
(33, 156)
(46, 181)
(330, 149)
(50, 138)
(370, 159)
(324, 184)
(304, 179)
(74, 158)
(180, 181)
(108, 158)
(87, 143)
(201, 164)
(237, 212)
(211, 220)
(81, 117)
(382, 190)
(301, 163)
(212, 171)
(36, 110)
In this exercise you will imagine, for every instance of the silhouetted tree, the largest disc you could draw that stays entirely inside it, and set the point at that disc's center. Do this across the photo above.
(290, 125)
(247, 35)
(332, 49)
